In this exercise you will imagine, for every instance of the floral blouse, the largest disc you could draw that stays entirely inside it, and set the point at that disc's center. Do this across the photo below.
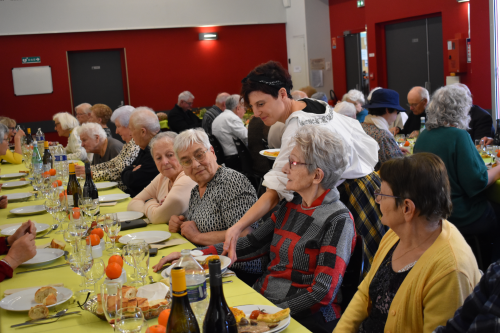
(388, 147)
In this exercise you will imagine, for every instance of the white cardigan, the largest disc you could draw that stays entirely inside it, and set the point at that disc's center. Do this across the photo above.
(74, 149)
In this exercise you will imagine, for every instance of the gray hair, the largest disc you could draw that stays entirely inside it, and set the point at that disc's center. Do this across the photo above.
(346, 109)
(145, 117)
(166, 136)
(3, 130)
(322, 149)
(355, 96)
(184, 96)
(85, 107)
(66, 120)
(190, 137)
(298, 94)
(320, 96)
(424, 94)
(464, 87)
(122, 114)
(221, 98)
(369, 98)
(92, 129)
(232, 102)
(449, 106)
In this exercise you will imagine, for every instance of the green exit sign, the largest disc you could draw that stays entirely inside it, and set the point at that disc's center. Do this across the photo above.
(361, 3)
(31, 60)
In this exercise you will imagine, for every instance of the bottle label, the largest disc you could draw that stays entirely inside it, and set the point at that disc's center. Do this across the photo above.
(197, 292)
(58, 158)
(64, 158)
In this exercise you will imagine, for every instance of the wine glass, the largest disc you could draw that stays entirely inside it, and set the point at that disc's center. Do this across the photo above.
(85, 203)
(131, 320)
(141, 258)
(53, 205)
(95, 207)
(111, 295)
(400, 139)
(128, 256)
(112, 227)
(95, 272)
(61, 215)
(81, 262)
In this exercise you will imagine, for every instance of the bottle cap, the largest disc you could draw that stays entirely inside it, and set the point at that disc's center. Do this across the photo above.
(178, 281)
(29, 130)
(72, 168)
(46, 144)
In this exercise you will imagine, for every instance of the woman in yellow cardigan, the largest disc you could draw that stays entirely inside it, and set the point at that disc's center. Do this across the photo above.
(15, 157)
(423, 269)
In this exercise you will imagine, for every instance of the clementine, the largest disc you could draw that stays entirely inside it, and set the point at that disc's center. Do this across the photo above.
(163, 317)
(113, 271)
(52, 172)
(116, 259)
(94, 239)
(407, 143)
(98, 232)
(157, 329)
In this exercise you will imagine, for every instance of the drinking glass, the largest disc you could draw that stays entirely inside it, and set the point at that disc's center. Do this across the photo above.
(81, 262)
(95, 272)
(111, 295)
(52, 206)
(112, 228)
(85, 203)
(95, 207)
(400, 139)
(61, 215)
(131, 320)
(37, 182)
(133, 249)
(46, 186)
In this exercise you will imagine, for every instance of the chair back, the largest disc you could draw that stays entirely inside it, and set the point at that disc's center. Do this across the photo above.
(245, 157)
(353, 274)
(219, 152)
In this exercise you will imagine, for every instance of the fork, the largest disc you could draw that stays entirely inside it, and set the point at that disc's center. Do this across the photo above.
(151, 279)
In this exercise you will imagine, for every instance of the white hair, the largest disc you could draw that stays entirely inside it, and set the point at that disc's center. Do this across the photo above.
(449, 106)
(145, 117)
(92, 129)
(232, 102)
(464, 87)
(221, 98)
(66, 120)
(122, 114)
(346, 109)
(190, 137)
(85, 107)
(369, 98)
(424, 94)
(185, 96)
(355, 95)
(3, 130)
(298, 94)
(164, 136)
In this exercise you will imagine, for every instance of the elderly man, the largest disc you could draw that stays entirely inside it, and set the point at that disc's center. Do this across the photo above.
(143, 125)
(481, 122)
(101, 114)
(95, 141)
(418, 97)
(181, 118)
(82, 112)
(298, 94)
(214, 111)
(229, 125)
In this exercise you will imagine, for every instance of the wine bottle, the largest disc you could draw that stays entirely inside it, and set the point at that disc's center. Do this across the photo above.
(29, 138)
(182, 318)
(496, 139)
(47, 157)
(219, 318)
(89, 188)
(74, 189)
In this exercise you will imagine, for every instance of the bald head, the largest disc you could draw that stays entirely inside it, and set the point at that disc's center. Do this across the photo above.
(418, 97)
(220, 101)
(297, 94)
(82, 112)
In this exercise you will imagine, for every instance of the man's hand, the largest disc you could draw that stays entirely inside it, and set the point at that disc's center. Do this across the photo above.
(79, 170)
(169, 258)
(3, 202)
(174, 225)
(25, 228)
(137, 168)
(190, 231)
(394, 130)
(414, 134)
(487, 141)
(22, 250)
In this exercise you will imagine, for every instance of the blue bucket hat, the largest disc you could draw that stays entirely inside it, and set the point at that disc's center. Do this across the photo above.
(384, 98)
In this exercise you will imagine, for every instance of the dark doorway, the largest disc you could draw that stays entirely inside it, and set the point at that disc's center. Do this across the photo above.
(356, 59)
(414, 52)
(97, 78)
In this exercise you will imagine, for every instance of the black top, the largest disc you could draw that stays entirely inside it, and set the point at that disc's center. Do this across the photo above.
(313, 106)
(257, 131)
(209, 118)
(481, 123)
(137, 180)
(413, 123)
(383, 289)
(180, 120)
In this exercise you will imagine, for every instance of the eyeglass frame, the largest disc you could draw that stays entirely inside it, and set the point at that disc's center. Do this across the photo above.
(290, 163)
(183, 164)
(410, 105)
(377, 194)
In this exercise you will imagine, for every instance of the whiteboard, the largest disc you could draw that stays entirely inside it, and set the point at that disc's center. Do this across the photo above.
(32, 80)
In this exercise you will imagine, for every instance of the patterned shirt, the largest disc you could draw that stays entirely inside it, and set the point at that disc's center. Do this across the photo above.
(388, 147)
(309, 250)
(209, 118)
(481, 310)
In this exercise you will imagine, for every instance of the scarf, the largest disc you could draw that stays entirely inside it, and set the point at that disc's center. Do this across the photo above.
(378, 121)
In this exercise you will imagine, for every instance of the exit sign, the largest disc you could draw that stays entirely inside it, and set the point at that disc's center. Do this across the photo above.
(361, 3)
(31, 60)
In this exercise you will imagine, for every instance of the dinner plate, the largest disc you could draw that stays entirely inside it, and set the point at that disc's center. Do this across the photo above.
(269, 151)
(28, 210)
(11, 230)
(150, 237)
(25, 299)
(13, 175)
(128, 216)
(113, 197)
(224, 261)
(105, 185)
(44, 256)
(247, 309)
(18, 196)
(15, 184)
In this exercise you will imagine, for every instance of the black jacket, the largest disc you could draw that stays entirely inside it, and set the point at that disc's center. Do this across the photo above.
(180, 120)
(137, 180)
(481, 123)
(412, 124)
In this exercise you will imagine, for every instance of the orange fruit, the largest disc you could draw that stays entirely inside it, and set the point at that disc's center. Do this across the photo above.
(94, 240)
(113, 271)
(498, 155)
(157, 329)
(163, 317)
(98, 232)
(46, 174)
(407, 143)
(76, 214)
(116, 259)
(59, 183)
(52, 172)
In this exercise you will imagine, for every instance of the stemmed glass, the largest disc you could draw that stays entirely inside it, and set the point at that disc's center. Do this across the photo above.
(95, 272)
(400, 139)
(136, 254)
(53, 205)
(111, 295)
(61, 215)
(112, 227)
(81, 262)
(131, 319)
(37, 182)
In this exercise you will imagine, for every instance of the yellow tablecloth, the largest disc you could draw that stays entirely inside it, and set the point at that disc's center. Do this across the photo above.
(236, 293)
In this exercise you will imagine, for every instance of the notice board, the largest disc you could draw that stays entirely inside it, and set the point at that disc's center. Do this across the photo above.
(32, 80)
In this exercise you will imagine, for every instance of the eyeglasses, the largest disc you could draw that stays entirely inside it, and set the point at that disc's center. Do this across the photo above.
(378, 196)
(12, 128)
(295, 163)
(414, 105)
(199, 156)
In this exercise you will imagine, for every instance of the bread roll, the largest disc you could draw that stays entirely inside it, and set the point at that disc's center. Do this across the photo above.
(157, 303)
(38, 312)
(50, 299)
(129, 292)
(57, 244)
(43, 292)
(143, 303)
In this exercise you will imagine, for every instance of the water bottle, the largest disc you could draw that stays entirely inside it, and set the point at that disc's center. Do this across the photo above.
(64, 166)
(40, 138)
(422, 124)
(196, 285)
(57, 162)
(36, 160)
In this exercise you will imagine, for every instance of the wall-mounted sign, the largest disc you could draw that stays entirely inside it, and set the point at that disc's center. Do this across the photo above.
(31, 60)
(96, 67)
(469, 58)
(317, 64)
(371, 55)
(297, 69)
(334, 43)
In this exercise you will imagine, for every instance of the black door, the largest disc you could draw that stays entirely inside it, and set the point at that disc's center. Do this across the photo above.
(97, 78)
(353, 61)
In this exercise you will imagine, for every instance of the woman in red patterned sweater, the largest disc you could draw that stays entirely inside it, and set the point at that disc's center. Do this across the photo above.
(308, 242)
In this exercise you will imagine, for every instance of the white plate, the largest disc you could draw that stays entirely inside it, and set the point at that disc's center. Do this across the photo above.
(150, 237)
(269, 151)
(18, 196)
(128, 216)
(15, 184)
(11, 230)
(28, 210)
(105, 185)
(269, 309)
(25, 299)
(13, 175)
(113, 197)
(225, 262)
(44, 256)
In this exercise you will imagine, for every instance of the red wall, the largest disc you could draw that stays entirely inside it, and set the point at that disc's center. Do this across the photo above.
(161, 63)
(344, 15)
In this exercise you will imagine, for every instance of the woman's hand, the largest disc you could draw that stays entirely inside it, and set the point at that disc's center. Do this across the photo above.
(190, 231)
(137, 167)
(19, 135)
(174, 225)
(232, 235)
(25, 228)
(22, 250)
(3, 202)
(404, 150)
(169, 258)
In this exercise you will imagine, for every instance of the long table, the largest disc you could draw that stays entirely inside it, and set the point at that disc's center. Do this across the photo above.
(236, 293)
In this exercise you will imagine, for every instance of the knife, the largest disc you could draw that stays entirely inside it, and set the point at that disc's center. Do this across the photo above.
(43, 269)
(37, 321)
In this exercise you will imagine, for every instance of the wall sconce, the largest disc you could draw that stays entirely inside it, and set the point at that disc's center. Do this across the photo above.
(208, 36)
(462, 0)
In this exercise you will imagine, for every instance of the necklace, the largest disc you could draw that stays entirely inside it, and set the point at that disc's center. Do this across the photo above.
(308, 208)
(413, 248)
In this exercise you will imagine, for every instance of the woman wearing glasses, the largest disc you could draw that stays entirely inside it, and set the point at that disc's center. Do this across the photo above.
(423, 269)
(309, 239)
(15, 157)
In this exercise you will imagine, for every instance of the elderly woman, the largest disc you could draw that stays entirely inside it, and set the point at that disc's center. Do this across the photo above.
(345, 108)
(267, 91)
(143, 126)
(101, 114)
(95, 141)
(357, 99)
(424, 269)
(168, 194)
(65, 125)
(315, 228)
(4, 147)
(446, 136)
(15, 157)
